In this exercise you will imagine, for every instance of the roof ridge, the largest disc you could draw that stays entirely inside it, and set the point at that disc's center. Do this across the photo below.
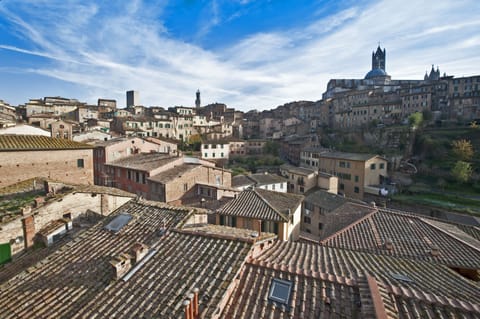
(452, 235)
(270, 205)
(377, 300)
(433, 298)
(369, 215)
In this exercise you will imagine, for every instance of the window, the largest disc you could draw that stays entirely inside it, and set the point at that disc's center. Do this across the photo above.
(206, 155)
(356, 189)
(342, 186)
(301, 189)
(137, 177)
(273, 187)
(129, 175)
(320, 226)
(341, 164)
(382, 165)
(185, 187)
(356, 178)
(221, 154)
(80, 163)
(307, 220)
(372, 166)
(269, 227)
(213, 154)
(280, 291)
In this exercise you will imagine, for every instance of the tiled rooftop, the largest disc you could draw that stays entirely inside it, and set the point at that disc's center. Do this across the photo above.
(262, 204)
(173, 173)
(77, 281)
(348, 156)
(144, 162)
(337, 283)
(241, 181)
(266, 178)
(410, 236)
(37, 143)
(325, 200)
(297, 170)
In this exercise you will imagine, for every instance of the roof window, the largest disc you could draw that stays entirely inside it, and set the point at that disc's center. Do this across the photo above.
(280, 291)
(116, 224)
(402, 278)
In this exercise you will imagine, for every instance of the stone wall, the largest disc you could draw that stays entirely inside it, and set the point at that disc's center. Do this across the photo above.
(61, 165)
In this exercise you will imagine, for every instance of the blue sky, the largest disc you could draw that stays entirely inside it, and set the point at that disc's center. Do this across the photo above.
(249, 54)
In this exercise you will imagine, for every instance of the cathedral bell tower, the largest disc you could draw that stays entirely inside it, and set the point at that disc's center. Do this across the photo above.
(378, 59)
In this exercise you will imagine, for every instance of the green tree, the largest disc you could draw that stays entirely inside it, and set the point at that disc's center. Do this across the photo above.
(271, 148)
(463, 149)
(462, 171)
(415, 120)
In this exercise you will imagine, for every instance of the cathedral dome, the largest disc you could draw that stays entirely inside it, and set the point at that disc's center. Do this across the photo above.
(375, 73)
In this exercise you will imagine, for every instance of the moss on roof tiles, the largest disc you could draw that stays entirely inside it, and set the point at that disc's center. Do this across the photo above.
(37, 143)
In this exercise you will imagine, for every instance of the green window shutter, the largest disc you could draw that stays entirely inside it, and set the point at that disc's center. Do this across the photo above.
(5, 253)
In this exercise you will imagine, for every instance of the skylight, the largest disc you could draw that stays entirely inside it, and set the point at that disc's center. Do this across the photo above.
(402, 278)
(116, 224)
(280, 291)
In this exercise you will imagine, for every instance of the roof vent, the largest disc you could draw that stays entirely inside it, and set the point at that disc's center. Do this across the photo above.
(254, 234)
(388, 244)
(434, 251)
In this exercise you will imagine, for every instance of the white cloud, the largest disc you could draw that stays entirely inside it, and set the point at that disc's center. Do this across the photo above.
(109, 52)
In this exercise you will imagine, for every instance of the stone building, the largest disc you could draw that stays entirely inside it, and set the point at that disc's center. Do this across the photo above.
(357, 173)
(27, 156)
(114, 149)
(65, 206)
(263, 211)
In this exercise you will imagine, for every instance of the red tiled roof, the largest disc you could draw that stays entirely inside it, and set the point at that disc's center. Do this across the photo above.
(37, 143)
(332, 282)
(262, 204)
(78, 282)
(411, 236)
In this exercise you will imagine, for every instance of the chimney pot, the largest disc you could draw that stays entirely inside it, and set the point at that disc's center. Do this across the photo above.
(186, 305)
(195, 302)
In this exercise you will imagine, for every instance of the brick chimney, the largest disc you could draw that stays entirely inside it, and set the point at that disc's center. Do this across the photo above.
(139, 251)
(28, 224)
(121, 265)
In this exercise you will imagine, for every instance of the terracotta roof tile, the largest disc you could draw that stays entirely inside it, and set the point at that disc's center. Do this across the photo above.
(262, 204)
(342, 283)
(410, 236)
(37, 143)
(77, 280)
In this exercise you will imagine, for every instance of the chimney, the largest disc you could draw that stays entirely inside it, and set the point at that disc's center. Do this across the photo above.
(139, 251)
(186, 305)
(190, 297)
(388, 244)
(121, 265)
(195, 302)
(26, 210)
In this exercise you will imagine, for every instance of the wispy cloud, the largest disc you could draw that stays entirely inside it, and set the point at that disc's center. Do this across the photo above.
(108, 49)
